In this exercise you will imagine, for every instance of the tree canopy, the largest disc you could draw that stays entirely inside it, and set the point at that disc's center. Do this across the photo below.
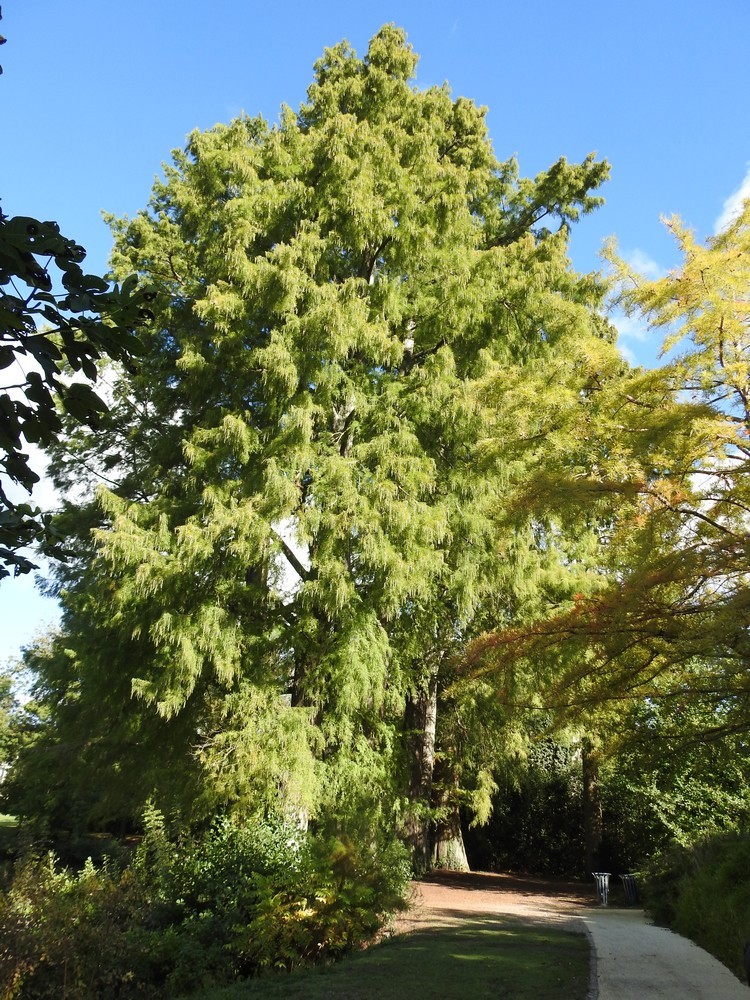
(666, 475)
(297, 519)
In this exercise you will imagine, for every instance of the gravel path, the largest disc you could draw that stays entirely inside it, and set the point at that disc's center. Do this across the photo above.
(632, 959)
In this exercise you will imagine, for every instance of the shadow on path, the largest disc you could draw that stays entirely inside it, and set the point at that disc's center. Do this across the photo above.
(631, 959)
(526, 886)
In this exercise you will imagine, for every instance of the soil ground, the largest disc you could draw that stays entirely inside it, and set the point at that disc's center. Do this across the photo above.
(444, 896)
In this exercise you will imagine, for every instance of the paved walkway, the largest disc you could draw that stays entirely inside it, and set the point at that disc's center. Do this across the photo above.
(637, 961)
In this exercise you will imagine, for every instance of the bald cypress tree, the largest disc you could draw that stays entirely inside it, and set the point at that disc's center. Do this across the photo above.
(296, 531)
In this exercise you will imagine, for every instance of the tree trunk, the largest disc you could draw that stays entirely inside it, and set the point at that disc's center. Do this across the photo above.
(449, 850)
(592, 807)
(421, 722)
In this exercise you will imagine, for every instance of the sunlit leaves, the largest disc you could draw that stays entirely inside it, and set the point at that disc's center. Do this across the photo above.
(43, 333)
(301, 502)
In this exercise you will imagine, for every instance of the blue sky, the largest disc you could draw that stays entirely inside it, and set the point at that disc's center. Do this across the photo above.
(96, 94)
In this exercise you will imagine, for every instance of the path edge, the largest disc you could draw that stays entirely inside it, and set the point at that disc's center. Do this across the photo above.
(593, 990)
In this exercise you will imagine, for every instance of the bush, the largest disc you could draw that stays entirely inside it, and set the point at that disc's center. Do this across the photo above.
(64, 934)
(188, 914)
(342, 901)
(703, 892)
(536, 823)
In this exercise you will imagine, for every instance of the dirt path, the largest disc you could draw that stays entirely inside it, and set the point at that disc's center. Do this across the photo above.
(442, 897)
(632, 959)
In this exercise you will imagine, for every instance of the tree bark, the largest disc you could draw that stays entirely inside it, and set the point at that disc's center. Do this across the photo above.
(448, 849)
(421, 724)
(592, 807)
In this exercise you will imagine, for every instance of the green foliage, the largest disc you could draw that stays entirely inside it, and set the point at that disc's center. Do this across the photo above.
(299, 522)
(536, 822)
(666, 786)
(340, 902)
(50, 783)
(652, 464)
(66, 934)
(657, 787)
(46, 331)
(10, 710)
(186, 914)
(702, 891)
(649, 652)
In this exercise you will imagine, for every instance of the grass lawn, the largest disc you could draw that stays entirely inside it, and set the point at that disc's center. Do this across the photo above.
(482, 957)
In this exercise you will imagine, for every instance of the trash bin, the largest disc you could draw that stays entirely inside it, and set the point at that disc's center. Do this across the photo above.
(631, 889)
(602, 887)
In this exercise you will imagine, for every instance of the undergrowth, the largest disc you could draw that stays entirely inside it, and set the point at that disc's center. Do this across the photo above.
(703, 892)
(193, 913)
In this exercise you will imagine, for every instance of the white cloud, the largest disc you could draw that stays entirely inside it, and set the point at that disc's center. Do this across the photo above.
(640, 261)
(630, 326)
(637, 342)
(733, 204)
(628, 355)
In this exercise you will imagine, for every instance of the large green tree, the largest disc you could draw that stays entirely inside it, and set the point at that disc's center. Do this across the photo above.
(298, 530)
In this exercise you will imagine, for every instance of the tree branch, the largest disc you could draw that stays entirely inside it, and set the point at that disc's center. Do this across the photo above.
(294, 562)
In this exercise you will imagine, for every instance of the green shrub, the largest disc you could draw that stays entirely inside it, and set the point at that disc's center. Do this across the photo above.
(187, 914)
(64, 934)
(342, 899)
(703, 892)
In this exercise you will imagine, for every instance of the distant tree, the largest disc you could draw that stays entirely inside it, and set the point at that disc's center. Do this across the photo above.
(9, 709)
(658, 462)
(41, 333)
(675, 783)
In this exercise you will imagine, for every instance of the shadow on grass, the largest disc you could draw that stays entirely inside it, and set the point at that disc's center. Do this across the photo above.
(472, 957)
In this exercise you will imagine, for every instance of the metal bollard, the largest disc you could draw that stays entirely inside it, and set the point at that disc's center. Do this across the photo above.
(602, 887)
(631, 889)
